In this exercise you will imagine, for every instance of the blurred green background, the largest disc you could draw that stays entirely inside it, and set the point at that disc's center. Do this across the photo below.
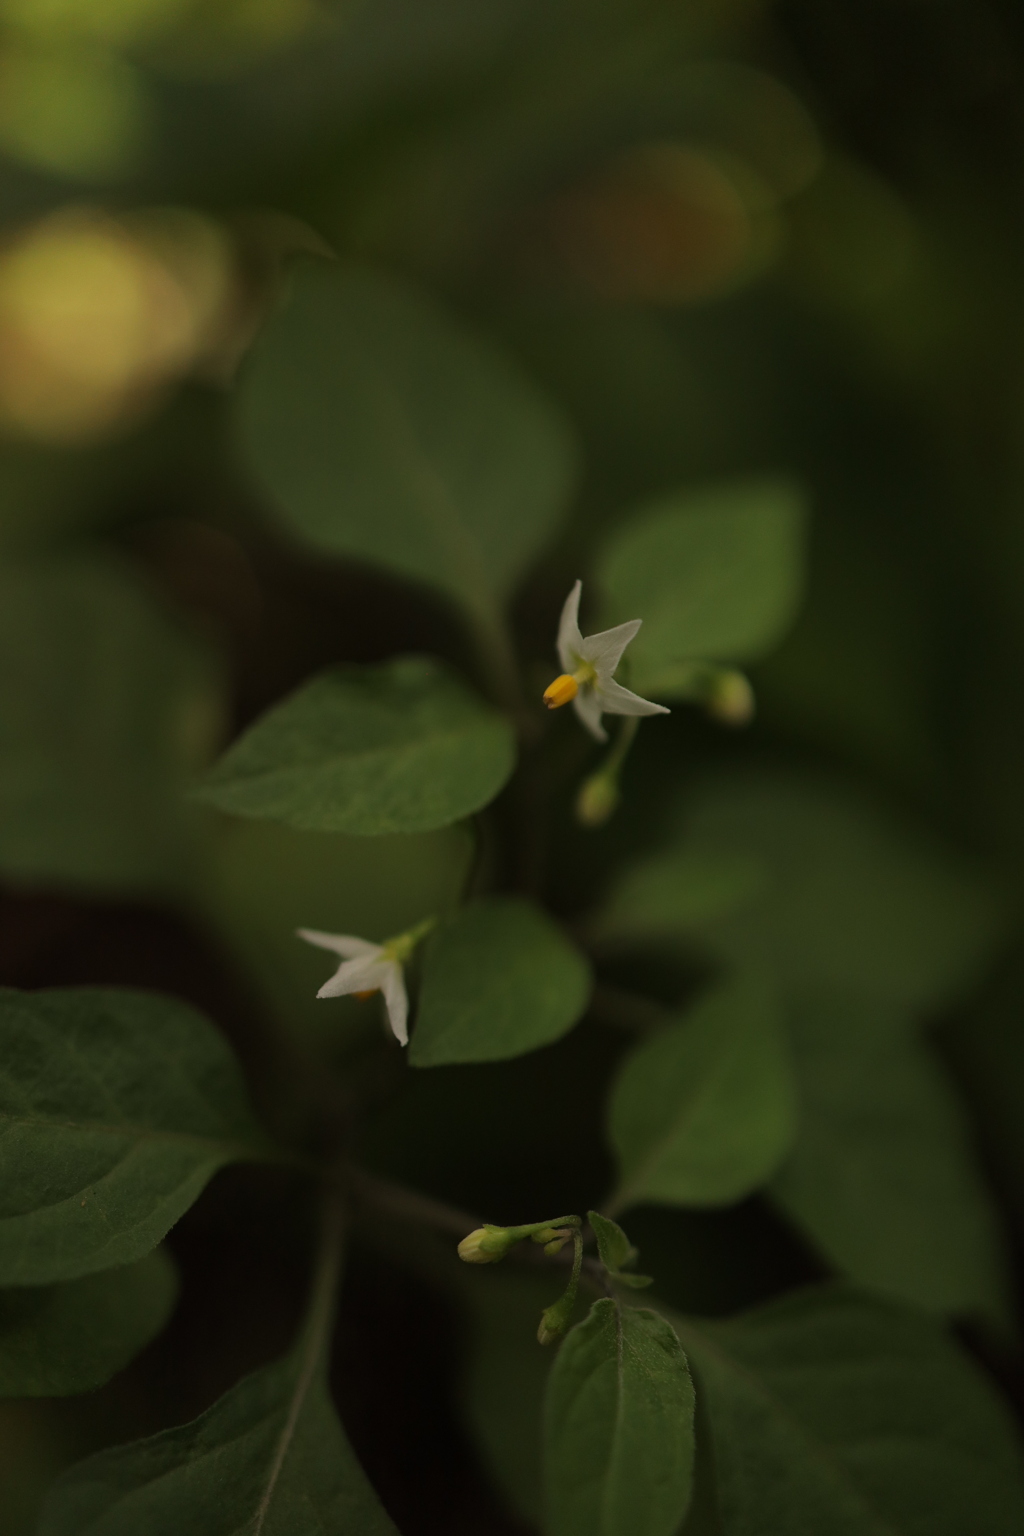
(729, 237)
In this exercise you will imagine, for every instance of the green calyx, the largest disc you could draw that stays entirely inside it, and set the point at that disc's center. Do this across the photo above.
(402, 945)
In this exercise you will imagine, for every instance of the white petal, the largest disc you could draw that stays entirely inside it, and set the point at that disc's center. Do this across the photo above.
(364, 974)
(604, 651)
(397, 1002)
(588, 707)
(570, 641)
(616, 700)
(341, 943)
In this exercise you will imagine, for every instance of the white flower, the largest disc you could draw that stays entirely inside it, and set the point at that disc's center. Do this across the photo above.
(367, 968)
(589, 666)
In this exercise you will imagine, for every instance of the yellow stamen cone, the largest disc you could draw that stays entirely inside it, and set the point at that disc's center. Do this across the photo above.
(562, 691)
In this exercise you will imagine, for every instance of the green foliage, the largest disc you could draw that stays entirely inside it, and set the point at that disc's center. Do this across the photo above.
(883, 1176)
(398, 748)
(618, 1428)
(103, 709)
(117, 1108)
(847, 896)
(384, 432)
(499, 979)
(74, 1336)
(704, 1112)
(616, 1251)
(269, 1458)
(715, 574)
(673, 893)
(504, 1379)
(833, 1413)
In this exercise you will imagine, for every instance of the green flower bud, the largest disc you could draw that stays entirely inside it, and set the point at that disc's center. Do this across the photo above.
(554, 1320)
(730, 698)
(597, 800)
(486, 1245)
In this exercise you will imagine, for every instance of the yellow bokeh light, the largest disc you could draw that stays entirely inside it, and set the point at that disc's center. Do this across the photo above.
(98, 317)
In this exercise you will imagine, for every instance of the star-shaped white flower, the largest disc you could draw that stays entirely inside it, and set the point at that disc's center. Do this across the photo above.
(588, 681)
(367, 968)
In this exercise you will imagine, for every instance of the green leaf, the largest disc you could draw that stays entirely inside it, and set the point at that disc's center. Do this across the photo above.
(402, 747)
(72, 1337)
(714, 574)
(844, 1416)
(675, 892)
(618, 1428)
(116, 1108)
(853, 897)
(883, 1176)
(103, 709)
(704, 1112)
(613, 1246)
(383, 431)
(499, 979)
(269, 1459)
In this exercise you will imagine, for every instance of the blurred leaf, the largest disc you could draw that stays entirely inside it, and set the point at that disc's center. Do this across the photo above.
(505, 1376)
(675, 891)
(384, 432)
(72, 1337)
(402, 747)
(714, 574)
(618, 1428)
(705, 1111)
(845, 1416)
(613, 1246)
(267, 880)
(116, 1109)
(269, 1457)
(854, 897)
(103, 707)
(883, 1176)
(499, 979)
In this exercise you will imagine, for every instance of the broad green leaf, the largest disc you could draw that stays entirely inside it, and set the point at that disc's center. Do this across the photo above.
(73, 1336)
(104, 708)
(704, 1112)
(382, 431)
(673, 892)
(883, 1176)
(269, 1459)
(399, 748)
(116, 1108)
(715, 575)
(499, 979)
(852, 898)
(618, 1428)
(840, 1415)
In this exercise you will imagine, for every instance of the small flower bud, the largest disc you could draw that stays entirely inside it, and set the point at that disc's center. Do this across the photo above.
(486, 1245)
(553, 1321)
(597, 800)
(730, 699)
(562, 691)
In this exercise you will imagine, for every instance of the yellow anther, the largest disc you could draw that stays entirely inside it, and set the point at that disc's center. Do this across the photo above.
(562, 691)
(362, 996)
